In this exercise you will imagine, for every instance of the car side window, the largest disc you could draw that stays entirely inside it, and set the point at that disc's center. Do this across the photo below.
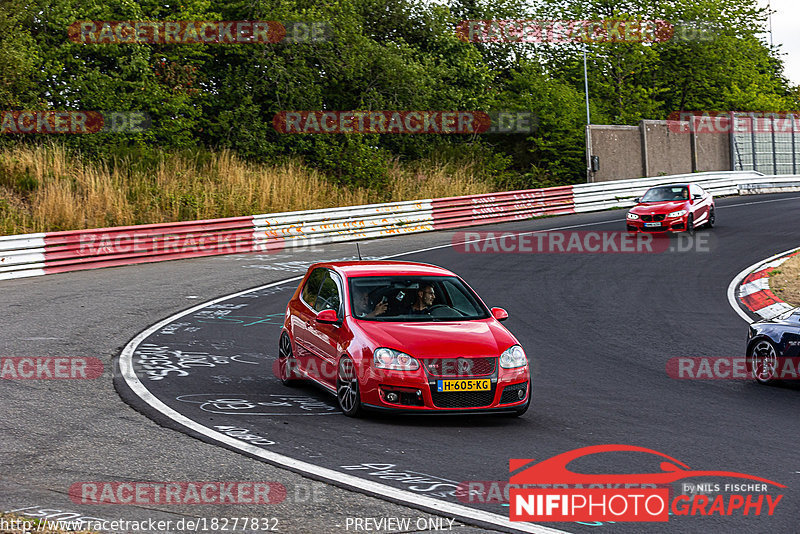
(329, 297)
(312, 286)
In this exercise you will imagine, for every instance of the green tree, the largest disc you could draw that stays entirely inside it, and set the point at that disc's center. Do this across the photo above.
(20, 58)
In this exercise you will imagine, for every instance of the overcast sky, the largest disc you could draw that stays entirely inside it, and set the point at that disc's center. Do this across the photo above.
(785, 31)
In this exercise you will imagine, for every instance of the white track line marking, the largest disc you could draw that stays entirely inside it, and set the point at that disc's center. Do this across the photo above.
(758, 202)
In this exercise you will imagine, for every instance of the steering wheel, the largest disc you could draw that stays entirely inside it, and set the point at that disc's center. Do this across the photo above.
(436, 310)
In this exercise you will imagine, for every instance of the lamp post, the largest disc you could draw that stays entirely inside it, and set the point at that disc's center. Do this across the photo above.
(586, 86)
(769, 10)
(588, 119)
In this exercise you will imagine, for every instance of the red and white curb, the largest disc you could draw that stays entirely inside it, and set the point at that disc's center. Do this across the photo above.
(750, 291)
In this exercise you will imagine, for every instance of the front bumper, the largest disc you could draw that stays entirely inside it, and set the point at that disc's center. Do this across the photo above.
(667, 225)
(417, 392)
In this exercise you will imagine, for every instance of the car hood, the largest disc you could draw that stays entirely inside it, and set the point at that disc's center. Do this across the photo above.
(780, 319)
(659, 207)
(466, 339)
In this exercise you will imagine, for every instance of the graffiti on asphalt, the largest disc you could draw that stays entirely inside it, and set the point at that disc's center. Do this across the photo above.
(159, 361)
(260, 404)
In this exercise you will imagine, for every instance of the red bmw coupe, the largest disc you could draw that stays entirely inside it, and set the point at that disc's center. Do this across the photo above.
(399, 336)
(672, 208)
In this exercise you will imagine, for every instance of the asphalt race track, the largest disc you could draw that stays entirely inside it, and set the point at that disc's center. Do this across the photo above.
(598, 329)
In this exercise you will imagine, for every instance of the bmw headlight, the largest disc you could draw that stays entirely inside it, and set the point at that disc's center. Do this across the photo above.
(680, 213)
(384, 358)
(632, 216)
(513, 357)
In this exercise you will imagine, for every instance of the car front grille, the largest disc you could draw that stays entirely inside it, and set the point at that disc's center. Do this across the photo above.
(656, 218)
(463, 399)
(511, 393)
(460, 367)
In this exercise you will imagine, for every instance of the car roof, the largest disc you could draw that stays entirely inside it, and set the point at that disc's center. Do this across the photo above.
(672, 185)
(384, 268)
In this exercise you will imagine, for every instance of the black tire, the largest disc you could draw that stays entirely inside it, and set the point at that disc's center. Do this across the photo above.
(690, 223)
(712, 219)
(347, 391)
(762, 361)
(287, 365)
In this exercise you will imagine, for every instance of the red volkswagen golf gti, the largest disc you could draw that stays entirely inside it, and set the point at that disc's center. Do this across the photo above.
(672, 208)
(400, 336)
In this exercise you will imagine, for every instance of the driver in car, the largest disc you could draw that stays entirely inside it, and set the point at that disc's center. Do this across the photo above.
(362, 304)
(425, 297)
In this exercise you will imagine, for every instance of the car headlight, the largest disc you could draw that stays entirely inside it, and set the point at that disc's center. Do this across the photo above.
(633, 216)
(679, 213)
(384, 358)
(513, 357)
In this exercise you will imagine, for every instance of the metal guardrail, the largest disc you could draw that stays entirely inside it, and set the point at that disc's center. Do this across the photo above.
(620, 193)
(55, 252)
(770, 184)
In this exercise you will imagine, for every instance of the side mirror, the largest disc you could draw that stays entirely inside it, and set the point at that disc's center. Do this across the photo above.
(636, 200)
(500, 314)
(327, 316)
(697, 197)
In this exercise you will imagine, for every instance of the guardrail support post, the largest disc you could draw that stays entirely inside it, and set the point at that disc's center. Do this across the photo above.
(645, 161)
(753, 140)
(794, 147)
(774, 148)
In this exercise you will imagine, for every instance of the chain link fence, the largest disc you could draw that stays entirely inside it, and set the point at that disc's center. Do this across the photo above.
(765, 142)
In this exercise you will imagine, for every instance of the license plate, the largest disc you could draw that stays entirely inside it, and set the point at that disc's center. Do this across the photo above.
(450, 386)
(652, 225)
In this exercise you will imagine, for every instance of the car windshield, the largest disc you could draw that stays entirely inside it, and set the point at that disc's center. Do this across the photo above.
(414, 298)
(666, 193)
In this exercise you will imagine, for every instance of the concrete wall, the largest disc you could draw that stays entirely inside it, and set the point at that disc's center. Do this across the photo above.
(668, 152)
(620, 151)
(655, 149)
(714, 152)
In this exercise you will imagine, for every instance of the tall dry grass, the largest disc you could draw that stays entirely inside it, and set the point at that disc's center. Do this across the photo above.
(785, 281)
(47, 188)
